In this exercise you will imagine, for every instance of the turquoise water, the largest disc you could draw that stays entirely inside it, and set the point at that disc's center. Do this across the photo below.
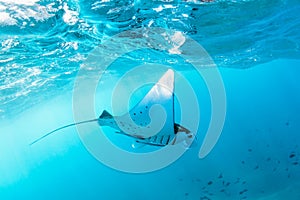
(254, 44)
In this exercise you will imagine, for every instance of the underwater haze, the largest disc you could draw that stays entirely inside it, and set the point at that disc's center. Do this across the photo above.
(255, 46)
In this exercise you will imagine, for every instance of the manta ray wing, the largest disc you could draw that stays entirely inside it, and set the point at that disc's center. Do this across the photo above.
(138, 122)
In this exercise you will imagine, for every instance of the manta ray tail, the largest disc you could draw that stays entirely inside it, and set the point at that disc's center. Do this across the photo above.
(83, 122)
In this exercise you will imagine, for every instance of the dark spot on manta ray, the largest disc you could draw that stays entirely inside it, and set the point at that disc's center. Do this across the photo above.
(256, 167)
(295, 163)
(134, 113)
(186, 194)
(287, 123)
(268, 159)
(141, 112)
(209, 183)
(244, 182)
(243, 162)
(250, 150)
(222, 190)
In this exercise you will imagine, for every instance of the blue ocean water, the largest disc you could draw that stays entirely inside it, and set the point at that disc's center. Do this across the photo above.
(255, 45)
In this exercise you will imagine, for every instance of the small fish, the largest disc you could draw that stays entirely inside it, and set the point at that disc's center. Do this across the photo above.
(220, 176)
(204, 198)
(287, 123)
(243, 191)
(237, 181)
(292, 155)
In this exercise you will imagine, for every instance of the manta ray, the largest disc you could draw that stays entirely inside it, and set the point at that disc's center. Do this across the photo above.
(137, 123)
